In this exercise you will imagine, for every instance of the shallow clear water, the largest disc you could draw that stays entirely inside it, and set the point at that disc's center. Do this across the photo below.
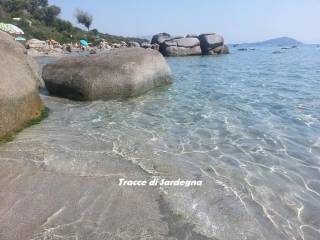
(247, 124)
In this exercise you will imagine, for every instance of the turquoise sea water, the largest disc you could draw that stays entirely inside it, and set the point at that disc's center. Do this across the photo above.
(253, 118)
(247, 124)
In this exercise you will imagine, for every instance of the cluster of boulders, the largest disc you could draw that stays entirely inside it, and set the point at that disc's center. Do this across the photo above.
(192, 44)
(204, 44)
(118, 73)
(37, 47)
(126, 70)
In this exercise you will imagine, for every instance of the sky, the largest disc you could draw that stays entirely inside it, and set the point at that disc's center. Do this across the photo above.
(238, 21)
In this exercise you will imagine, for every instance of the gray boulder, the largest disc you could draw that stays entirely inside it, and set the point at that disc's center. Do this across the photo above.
(19, 98)
(181, 47)
(224, 49)
(160, 38)
(187, 42)
(119, 73)
(210, 41)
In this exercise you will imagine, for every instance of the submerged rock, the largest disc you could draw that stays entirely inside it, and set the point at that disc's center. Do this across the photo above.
(210, 41)
(181, 47)
(118, 73)
(19, 98)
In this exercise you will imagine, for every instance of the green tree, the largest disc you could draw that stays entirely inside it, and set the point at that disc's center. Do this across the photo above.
(63, 26)
(3, 13)
(15, 5)
(36, 4)
(51, 14)
(84, 18)
(47, 14)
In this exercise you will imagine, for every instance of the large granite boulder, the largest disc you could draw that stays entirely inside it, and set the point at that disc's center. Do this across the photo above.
(181, 47)
(119, 73)
(37, 72)
(209, 42)
(160, 38)
(19, 98)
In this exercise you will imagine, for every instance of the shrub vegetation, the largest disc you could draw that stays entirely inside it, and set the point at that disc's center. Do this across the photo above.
(40, 20)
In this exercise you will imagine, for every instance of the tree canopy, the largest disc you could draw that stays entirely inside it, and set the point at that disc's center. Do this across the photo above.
(84, 18)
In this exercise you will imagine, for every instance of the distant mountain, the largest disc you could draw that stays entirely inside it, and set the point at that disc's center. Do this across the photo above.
(282, 41)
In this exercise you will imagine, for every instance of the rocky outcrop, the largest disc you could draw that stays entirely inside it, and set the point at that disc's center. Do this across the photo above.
(209, 42)
(160, 38)
(19, 98)
(181, 47)
(117, 73)
(204, 44)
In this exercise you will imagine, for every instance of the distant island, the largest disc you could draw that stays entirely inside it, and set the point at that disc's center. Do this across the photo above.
(281, 41)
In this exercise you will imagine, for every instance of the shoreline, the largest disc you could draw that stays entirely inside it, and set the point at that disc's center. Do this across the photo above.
(64, 187)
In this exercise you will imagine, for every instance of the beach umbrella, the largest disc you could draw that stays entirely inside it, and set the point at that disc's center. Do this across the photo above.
(84, 43)
(11, 29)
(20, 39)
